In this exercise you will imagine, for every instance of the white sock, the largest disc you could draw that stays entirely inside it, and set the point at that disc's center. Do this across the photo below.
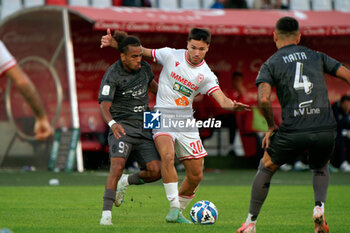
(106, 213)
(172, 194)
(249, 219)
(322, 206)
(184, 201)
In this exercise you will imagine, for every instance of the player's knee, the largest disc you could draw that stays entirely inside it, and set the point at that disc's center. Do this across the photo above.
(168, 159)
(116, 168)
(267, 167)
(195, 178)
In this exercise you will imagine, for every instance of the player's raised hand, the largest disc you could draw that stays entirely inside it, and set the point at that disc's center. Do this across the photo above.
(106, 40)
(238, 106)
(118, 130)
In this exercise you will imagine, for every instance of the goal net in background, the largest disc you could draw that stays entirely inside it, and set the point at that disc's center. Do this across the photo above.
(41, 52)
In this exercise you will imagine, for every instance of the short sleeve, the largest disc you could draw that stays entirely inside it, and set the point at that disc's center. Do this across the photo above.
(7, 61)
(210, 85)
(264, 75)
(330, 65)
(108, 86)
(161, 55)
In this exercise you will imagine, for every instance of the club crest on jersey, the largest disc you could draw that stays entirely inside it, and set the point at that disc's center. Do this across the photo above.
(200, 78)
(177, 63)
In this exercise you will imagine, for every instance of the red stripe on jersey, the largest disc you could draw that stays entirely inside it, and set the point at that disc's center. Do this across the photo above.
(211, 90)
(190, 63)
(7, 66)
(153, 54)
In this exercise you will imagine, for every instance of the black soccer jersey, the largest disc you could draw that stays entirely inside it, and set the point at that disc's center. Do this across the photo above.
(298, 75)
(127, 91)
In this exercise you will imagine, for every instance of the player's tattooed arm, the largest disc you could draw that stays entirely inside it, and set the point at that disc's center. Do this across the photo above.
(264, 94)
(27, 89)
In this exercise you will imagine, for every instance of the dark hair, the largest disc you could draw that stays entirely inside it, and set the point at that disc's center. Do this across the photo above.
(287, 26)
(344, 98)
(199, 34)
(124, 40)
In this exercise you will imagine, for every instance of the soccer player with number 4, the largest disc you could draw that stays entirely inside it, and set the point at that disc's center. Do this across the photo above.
(308, 122)
(184, 75)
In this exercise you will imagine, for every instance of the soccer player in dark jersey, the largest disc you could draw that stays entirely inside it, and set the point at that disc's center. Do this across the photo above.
(123, 98)
(308, 122)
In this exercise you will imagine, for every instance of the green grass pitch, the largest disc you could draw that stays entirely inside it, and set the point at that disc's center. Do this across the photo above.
(29, 204)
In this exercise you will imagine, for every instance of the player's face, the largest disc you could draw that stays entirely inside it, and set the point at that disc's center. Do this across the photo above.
(132, 58)
(196, 51)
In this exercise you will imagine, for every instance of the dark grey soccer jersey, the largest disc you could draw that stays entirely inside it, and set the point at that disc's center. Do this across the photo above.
(298, 75)
(127, 91)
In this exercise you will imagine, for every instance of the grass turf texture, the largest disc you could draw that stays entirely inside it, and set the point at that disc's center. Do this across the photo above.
(29, 204)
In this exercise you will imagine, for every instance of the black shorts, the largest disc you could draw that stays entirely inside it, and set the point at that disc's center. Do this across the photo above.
(142, 149)
(285, 147)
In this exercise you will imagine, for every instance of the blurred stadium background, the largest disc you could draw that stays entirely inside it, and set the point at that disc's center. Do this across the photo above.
(57, 44)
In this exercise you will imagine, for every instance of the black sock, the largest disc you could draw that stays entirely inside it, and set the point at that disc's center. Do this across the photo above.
(108, 199)
(260, 190)
(320, 183)
(135, 179)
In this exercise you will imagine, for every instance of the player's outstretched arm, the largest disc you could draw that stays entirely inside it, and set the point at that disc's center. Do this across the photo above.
(42, 128)
(117, 128)
(344, 73)
(227, 103)
(108, 40)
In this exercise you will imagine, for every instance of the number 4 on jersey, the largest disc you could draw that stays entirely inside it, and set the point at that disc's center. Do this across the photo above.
(301, 81)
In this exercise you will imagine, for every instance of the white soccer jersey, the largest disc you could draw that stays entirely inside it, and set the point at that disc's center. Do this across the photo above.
(180, 80)
(7, 61)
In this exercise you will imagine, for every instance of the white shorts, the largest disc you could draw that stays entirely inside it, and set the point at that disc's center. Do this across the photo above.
(188, 145)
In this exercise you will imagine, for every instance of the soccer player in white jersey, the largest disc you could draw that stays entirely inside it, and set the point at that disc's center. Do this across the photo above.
(184, 75)
(10, 68)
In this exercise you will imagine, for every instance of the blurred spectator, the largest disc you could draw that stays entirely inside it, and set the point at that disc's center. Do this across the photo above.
(341, 110)
(236, 4)
(137, 3)
(218, 4)
(270, 4)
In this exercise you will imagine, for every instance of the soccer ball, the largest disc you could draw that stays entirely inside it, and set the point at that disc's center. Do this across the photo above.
(204, 213)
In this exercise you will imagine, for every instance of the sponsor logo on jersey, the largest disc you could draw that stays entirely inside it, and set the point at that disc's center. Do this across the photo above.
(200, 78)
(182, 89)
(152, 120)
(184, 81)
(106, 89)
(183, 101)
(177, 63)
